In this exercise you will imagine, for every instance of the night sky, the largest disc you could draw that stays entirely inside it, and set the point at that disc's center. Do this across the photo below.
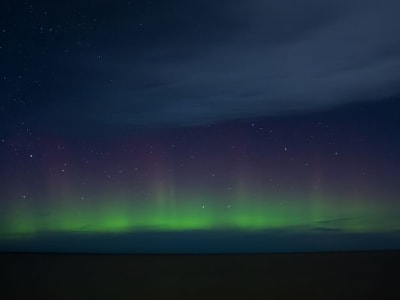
(199, 126)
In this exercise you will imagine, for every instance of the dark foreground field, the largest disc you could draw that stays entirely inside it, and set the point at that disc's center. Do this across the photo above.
(368, 275)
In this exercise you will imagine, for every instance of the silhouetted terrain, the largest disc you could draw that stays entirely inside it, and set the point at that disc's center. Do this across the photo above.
(366, 275)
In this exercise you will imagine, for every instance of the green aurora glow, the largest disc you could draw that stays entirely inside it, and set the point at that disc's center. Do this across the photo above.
(166, 213)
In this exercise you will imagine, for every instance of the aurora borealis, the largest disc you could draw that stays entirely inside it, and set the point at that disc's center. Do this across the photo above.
(121, 217)
(298, 175)
(157, 119)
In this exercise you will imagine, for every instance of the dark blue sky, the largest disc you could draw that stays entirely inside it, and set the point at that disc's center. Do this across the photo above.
(113, 110)
(163, 63)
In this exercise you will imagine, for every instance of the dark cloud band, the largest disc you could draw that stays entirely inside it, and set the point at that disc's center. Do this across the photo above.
(206, 62)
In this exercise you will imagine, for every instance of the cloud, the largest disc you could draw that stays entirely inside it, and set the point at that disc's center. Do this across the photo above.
(203, 63)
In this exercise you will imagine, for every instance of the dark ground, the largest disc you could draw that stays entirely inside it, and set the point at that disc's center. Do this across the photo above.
(368, 275)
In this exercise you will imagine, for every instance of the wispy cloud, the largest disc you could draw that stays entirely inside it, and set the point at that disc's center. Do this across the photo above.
(234, 59)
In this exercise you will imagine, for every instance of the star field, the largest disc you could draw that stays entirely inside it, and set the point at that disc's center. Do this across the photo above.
(151, 119)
